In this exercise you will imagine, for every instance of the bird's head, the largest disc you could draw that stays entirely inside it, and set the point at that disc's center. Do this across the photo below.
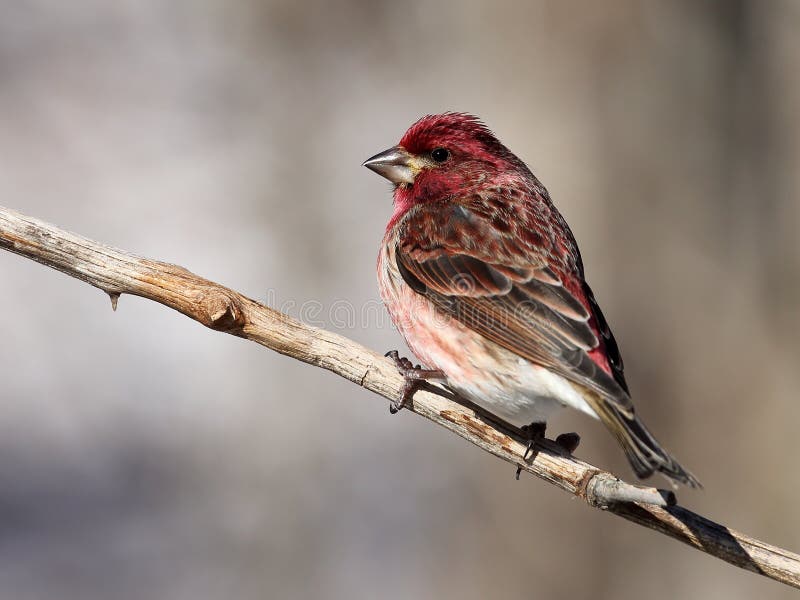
(444, 155)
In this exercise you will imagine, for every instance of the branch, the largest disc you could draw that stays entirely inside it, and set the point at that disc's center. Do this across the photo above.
(222, 309)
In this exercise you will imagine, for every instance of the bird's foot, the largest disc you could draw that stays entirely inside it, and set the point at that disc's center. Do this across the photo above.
(415, 378)
(533, 433)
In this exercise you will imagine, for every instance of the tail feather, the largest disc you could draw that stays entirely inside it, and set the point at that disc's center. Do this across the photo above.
(643, 451)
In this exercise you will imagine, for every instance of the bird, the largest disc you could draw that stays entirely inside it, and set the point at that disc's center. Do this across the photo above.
(481, 275)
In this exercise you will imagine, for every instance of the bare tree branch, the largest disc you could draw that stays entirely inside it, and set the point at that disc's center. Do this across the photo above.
(222, 309)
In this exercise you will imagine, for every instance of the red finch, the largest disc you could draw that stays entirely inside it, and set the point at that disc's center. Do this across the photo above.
(484, 280)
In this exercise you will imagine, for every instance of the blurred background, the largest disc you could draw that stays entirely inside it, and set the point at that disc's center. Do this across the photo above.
(143, 456)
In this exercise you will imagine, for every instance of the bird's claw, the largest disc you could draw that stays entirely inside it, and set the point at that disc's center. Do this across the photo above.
(401, 362)
(410, 387)
(415, 377)
(534, 433)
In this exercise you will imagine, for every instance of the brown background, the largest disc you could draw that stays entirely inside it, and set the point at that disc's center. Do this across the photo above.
(142, 456)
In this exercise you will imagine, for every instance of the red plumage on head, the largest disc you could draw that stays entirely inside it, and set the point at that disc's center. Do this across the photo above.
(476, 159)
(463, 130)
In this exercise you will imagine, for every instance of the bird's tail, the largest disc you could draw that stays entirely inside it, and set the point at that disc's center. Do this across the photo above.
(644, 452)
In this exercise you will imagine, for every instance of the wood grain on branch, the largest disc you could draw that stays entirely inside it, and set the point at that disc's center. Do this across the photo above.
(117, 272)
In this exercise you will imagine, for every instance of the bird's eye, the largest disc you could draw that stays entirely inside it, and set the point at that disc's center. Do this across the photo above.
(440, 154)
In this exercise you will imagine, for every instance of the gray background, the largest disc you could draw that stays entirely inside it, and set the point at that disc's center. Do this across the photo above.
(142, 456)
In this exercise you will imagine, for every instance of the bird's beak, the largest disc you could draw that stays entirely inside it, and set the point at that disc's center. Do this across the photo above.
(397, 165)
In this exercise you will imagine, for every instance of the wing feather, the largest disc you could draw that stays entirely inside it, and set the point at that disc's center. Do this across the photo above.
(517, 300)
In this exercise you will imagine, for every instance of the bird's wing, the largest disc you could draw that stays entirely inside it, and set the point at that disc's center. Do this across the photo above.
(520, 294)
